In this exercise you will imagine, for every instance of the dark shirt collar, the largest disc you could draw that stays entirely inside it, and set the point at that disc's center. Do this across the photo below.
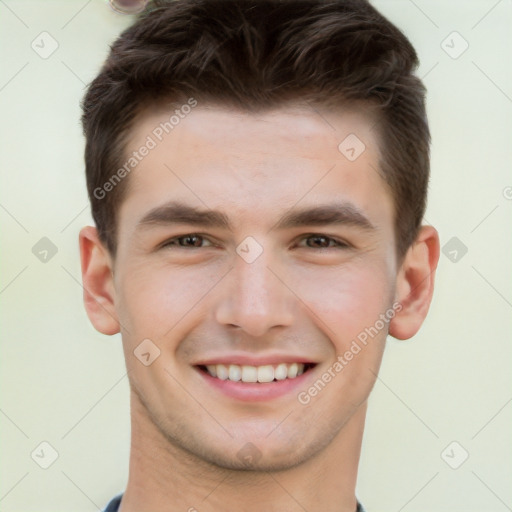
(113, 506)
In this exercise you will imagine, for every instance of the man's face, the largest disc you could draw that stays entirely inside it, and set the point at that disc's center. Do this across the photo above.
(254, 293)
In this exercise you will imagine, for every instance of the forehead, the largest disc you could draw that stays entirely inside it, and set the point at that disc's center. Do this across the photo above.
(300, 130)
(248, 163)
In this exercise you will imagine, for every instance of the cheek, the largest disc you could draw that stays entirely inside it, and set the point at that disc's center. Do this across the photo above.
(347, 299)
(155, 300)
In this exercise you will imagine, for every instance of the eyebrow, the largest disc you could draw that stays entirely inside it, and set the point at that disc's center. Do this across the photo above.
(176, 212)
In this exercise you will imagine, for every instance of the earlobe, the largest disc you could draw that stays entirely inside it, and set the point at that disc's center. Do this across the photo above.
(98, 282)
(415, 284)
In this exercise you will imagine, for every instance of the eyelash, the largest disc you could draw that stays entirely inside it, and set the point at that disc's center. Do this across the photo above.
(340, 244)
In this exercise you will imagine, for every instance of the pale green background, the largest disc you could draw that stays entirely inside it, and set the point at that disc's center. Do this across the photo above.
(64, 383)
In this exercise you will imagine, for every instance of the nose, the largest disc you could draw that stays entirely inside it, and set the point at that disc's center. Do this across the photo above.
(255, 296)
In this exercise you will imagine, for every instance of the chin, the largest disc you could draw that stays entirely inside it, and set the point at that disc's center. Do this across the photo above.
(258, 462)
(263, 454)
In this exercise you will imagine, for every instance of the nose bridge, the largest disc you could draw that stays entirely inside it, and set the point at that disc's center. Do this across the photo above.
(256, 299)
(253, 282)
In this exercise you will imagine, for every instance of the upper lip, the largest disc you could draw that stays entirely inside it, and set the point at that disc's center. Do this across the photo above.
(252, 360)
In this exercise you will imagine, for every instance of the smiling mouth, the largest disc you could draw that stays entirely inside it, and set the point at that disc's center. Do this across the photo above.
(252, 374)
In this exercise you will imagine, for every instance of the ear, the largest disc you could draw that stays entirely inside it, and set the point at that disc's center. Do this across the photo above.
(98, 282)
(415, 284)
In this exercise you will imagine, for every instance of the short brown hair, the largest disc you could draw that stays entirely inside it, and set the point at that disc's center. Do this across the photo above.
(256, 55)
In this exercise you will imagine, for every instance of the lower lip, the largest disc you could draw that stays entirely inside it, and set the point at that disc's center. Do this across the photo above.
(255, 391)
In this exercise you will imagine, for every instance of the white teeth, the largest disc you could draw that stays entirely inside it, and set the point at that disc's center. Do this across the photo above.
(222, 372)
(235, 372)
(292, 370)
(281, 371)
(265, 373)
(250, 374)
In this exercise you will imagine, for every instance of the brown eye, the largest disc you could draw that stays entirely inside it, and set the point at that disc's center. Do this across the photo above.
(324, 242)
(190, 241)
(319, 241)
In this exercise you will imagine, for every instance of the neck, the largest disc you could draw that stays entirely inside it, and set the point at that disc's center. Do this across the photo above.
(166, 478)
